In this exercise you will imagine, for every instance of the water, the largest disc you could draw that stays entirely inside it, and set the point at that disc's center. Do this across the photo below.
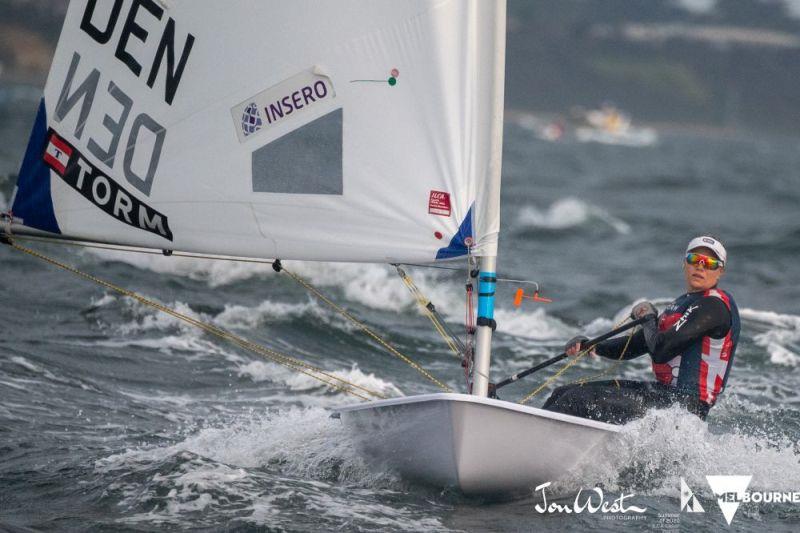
(115, 417)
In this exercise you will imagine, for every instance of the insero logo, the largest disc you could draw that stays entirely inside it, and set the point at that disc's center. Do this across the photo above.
(251, 120)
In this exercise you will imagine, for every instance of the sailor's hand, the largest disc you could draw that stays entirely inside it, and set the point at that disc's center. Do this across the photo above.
(573, 346)
(644, 310)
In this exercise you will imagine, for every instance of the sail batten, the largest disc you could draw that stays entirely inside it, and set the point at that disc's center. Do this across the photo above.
(361, 130)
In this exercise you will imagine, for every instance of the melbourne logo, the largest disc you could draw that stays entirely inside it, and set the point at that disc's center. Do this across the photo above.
(66, 161)
(689, 502)
(730, 491)
(251, 120)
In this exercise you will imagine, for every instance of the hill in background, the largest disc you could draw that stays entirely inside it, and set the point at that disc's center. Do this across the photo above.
(722, 63)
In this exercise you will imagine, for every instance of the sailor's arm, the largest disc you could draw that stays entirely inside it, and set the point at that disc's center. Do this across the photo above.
(612, 348)
(620, 346)
(709, 316)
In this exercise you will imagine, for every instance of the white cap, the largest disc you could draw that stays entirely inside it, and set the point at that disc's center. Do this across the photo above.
(710, 243)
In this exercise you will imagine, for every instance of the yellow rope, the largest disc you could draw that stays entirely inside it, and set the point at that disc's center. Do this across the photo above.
(423, 303)
(585, 379)
(332, 381)
(574, 361)
(368, 331)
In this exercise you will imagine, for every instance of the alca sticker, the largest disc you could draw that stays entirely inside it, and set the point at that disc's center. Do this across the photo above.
(439, 203)
(102, 191)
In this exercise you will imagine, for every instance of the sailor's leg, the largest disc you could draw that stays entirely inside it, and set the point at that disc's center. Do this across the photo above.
(614, 401)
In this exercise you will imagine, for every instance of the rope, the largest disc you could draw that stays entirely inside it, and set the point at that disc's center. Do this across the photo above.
(429, 310)
(585, 379)
(146, 251)
(332, 381)
(574, 361)
(363, 327)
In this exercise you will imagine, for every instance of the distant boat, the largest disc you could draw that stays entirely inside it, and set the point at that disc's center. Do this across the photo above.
(609, 125)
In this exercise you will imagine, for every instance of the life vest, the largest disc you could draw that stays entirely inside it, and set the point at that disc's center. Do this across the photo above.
(704, 366)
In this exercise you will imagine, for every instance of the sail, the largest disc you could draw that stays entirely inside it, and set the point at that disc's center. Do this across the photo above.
(356, 130)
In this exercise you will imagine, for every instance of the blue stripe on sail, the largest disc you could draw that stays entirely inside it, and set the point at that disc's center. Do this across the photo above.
(457, 247)
(33, 202)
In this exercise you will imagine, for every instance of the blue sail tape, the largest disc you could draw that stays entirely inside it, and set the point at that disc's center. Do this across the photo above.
(487, 281)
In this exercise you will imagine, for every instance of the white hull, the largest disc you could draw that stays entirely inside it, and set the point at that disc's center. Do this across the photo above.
(478, 445)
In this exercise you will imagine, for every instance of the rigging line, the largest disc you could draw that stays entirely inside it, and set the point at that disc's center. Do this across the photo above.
(335, 382)
(453, 342)
(569, 364)
(368, 331)
(437, 267)
(456, 269)
(616, 364)
(113, 248)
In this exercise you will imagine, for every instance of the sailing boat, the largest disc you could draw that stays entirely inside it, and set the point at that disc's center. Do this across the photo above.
(360, 130)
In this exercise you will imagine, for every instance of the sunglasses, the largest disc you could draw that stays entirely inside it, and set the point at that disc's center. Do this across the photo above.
(708, 262)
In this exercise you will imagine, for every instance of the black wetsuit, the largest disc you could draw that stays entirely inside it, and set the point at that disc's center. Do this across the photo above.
(692, 345)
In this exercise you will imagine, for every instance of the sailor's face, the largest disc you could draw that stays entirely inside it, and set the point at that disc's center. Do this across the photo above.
(698, 277)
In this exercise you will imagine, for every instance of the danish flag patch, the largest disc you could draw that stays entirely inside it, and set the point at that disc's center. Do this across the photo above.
(57, 154)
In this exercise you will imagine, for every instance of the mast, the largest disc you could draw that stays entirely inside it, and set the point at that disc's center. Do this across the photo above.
(487, 280)
(490, 211)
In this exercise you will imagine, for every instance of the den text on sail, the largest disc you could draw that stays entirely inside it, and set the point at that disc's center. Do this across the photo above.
(114, 126)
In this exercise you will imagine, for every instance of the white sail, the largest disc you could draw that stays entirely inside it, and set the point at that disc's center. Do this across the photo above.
(356, 130)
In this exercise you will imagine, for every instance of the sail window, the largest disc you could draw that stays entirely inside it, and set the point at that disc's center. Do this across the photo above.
(306, 161)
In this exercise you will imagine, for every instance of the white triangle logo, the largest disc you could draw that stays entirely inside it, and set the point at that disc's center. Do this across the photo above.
(689, 501)
(722, 485)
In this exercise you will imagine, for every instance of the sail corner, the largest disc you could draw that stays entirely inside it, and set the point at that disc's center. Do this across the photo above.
(458, 244)
(33, 202)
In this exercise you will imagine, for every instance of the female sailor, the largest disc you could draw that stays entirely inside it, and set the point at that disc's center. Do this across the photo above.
(691, 344)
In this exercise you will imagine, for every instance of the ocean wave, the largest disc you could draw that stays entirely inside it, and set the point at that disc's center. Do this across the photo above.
(215, 272)
(192, 342)
(781, 337)
(568, 213)
(652, 454)
(536, 325)
(259, 371)
(243, 317)
(373, 285)
(277, 468)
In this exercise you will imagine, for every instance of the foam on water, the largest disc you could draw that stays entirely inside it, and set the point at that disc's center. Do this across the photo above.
(652, 453)
(536, 325)
(300, 441)
(307, 459)
(567, 213)
(243, 317)
(263, 371)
